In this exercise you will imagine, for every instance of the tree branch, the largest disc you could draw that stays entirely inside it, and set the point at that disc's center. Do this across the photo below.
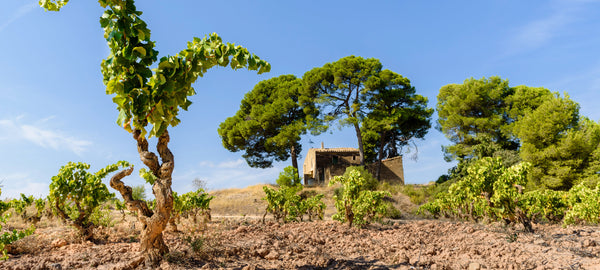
(82, 215)
(136, 205)
(162, 187)
(166, 168)
(61, 212)
(147, 157)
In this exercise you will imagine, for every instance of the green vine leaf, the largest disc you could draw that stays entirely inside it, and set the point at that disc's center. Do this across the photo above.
(148, 176)
(50, 5)
(154, 97)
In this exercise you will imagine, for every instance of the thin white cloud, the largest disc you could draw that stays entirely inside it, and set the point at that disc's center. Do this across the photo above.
(16, 183)
(538, 33)
(583, 86)
(223, 165)
(232, 164)
(13, 130)
(206, 164)
(589, 78)
(543, 31)
(21, 11)
(9, 130)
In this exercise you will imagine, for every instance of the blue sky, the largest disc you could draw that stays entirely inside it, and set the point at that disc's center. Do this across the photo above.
(53, 107)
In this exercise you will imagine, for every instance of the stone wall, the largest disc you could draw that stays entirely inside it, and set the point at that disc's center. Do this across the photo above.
(321, 165)
(392, 170)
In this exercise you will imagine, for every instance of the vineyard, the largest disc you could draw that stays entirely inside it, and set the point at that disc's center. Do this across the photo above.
(244, 241)
(294, 231)
(492, 221)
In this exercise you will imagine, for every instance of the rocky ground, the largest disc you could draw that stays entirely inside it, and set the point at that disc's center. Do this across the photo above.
(245, 243)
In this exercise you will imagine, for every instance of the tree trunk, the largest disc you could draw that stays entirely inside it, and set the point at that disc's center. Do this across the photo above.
(152, 244)
(86, 231)
(349, 213)
(522, 217)
(294, 157)
(361, 151)
(380, 156)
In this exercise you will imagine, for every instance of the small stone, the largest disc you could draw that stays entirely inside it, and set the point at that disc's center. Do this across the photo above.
(540, 242)
(594, 267)
(474, 266)
(241, 229)
(588, 243)
(58, 243)
(249, 267)
(262, 252)
(273, 255)
(414, 260)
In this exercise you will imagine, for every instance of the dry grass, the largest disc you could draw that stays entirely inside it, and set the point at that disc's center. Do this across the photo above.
(247, 202)
(238, 201)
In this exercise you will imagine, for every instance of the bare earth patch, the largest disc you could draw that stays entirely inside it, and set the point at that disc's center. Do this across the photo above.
(249, 244)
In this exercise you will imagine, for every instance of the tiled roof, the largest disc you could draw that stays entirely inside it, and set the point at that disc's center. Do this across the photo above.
(335, 150)
(392, 158)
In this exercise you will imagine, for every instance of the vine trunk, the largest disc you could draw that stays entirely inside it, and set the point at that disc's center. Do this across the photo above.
(152, 244)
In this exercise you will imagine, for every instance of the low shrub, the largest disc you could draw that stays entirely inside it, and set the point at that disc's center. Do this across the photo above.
(357, 204)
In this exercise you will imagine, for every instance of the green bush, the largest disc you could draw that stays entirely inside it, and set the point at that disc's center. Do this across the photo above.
(138, 192)
(494, 192)
(289, 177)
(313, 207)
(358, 204)
(9, 237)
(288, 202)
(584, 204)
(76, 195)
(370, 182)
(20, 206)
(489, 190)
(546, 205)
(191, 204)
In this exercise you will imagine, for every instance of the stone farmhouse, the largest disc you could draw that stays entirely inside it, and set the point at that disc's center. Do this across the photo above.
(322, 164)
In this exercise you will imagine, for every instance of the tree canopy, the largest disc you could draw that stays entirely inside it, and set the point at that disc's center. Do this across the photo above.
(342, 89)
(560, 145)
(471, 111)
(269, 123)
(381, 106)
(397, 115)
(487, 118)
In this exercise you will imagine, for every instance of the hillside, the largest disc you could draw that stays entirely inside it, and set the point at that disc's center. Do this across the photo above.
(247, 202)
